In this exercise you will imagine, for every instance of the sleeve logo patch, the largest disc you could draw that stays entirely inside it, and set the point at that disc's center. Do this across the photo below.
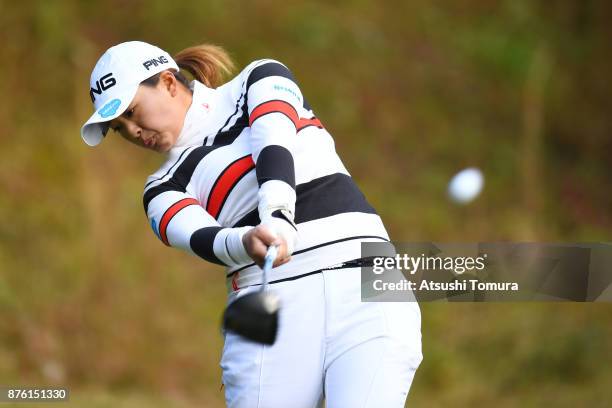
(289, 90)
(154, 226)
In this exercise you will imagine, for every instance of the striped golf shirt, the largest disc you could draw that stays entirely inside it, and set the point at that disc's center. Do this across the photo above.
(250, 141)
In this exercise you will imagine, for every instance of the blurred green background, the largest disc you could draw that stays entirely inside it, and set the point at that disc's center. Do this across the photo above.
(412, 91)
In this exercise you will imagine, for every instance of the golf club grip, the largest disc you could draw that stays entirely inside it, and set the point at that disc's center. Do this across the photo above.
(268, 262)
(270, 257)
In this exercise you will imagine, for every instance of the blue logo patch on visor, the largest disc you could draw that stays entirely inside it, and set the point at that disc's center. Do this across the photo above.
(110, 108)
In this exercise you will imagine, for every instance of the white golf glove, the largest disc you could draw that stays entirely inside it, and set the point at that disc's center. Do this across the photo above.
(280, 222)
(276, 211)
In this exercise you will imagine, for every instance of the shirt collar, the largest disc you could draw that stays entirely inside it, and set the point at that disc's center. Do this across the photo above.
(198, 114)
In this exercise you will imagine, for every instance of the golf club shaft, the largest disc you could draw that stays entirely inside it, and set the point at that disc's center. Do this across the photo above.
(268, 262)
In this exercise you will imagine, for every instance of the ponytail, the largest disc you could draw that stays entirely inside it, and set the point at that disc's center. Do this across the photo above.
(207, 63)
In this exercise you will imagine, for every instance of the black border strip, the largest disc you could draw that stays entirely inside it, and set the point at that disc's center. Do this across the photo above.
(169, 170)
(202, 242)
(268, 69)
(322, 197)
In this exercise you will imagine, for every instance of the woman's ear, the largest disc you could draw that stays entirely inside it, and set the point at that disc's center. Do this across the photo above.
(168, 82)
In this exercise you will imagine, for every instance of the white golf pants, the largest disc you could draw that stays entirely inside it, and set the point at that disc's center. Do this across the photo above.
(330, 346)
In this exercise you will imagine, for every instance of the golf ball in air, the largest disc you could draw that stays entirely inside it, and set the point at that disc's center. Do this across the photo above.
(466, 185)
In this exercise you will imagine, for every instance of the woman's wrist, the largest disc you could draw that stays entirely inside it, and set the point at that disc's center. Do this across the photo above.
(229, 247)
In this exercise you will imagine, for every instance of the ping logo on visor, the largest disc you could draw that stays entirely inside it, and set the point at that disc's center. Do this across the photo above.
(105, 82)
(155, 62)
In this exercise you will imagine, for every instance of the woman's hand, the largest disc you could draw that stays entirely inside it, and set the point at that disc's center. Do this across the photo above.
(256, 242)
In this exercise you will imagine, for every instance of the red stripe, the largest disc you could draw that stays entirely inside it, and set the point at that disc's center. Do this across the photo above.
(226, 181)
(170, 213)
(274, 106)
(234, 284)
(309, 122)
(286, 109)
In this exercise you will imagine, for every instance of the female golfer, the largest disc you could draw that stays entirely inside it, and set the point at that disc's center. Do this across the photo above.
(249, 166)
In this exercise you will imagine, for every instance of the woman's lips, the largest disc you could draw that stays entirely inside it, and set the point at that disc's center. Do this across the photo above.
(149, 142)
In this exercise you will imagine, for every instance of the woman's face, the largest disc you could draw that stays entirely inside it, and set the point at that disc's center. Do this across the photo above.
(155, 117)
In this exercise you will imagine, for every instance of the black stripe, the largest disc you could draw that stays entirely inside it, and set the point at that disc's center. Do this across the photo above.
(356, 263)
(337, 241)
(169, 170)
(289, 279)
(232, 115)
(282, 214)
(228, 136)
(316, 247)
(306, 105)
(274, 69)
(322, 197)
(181, 177)
(225, 137)
(201, 243)
(267, 70)
(275, 163)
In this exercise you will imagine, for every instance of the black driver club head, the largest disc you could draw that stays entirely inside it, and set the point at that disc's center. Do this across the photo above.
(254, 316)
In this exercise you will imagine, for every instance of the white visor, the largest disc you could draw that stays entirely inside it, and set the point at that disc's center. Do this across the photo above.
(94, 130)
(115, 80)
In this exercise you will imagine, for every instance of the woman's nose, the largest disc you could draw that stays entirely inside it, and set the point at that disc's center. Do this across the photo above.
(135, 130)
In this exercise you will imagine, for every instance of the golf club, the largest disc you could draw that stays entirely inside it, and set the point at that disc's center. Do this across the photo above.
(254, 316)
